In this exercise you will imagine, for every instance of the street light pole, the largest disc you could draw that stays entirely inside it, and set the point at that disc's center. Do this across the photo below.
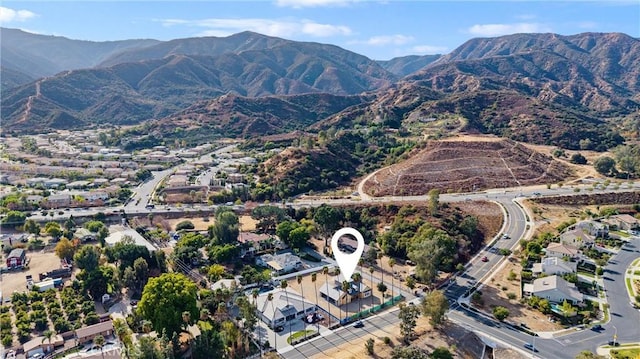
(615, 335)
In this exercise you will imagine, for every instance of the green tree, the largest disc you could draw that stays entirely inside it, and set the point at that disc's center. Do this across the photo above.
(299, 237)
(14, 219)
(410, 352)
(434, 201)
(578, 159)
(369, 346)
(65, 249)
(605, 165)
(408, 315)
(99, 341)
(165, 298)
(441, 353)
(268, 216)
(500, 313)
(87, 257)
(53, 229)
(328, 220)
(30, 226)
(185, 225)
(431, 250)
(225, 230)
(434, 306)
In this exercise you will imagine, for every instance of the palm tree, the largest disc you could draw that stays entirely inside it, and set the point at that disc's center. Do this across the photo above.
(337, 272)
(48, 334)
(254, 294)
(325, 271)
(380, 256)
(98, 340)
(186, 318)
(270, 299)
(357, 279)
(304, 311)
(284, 285)
(314, 278)
(371, 273)
(146, 326)
(392, 262)
(121, 330)
(345, 289)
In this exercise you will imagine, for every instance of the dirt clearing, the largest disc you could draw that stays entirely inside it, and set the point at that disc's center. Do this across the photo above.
(39, 262)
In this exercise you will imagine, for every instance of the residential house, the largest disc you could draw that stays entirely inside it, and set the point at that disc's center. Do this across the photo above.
(35, 181)
(284, 307)
(55, 182)
(225, 283)
(555, 289)
(86, 334)
(84, 235)
(118, 233)
(562, 250)
(41, 345)
(624, 222)
(34, 199)
(333, 292)
(58, 200)
(16, 258)
(577, 238)
(554, 265)
(253, 243)
(593, 228)
(280, 263)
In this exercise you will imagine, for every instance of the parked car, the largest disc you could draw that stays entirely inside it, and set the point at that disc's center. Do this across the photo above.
(279, 328)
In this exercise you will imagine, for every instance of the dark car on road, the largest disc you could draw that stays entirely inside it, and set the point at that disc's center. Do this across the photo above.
(359, 324)
(279, 328)
(531, 347)
(597, 328)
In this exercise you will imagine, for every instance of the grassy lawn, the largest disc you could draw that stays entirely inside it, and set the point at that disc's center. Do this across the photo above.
(629, 287)
(636, 262)
(298, 335)
(621, 234)
(625, 353)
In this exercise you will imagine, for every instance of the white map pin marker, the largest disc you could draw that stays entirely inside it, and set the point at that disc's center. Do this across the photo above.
(347, 261)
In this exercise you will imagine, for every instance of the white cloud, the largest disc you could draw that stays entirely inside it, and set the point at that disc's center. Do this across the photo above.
(298, 4)
(10, 15)
(388, 40)
(429, 49)
(506, 29)
(279, 28)
(588, 25)
(526, 17)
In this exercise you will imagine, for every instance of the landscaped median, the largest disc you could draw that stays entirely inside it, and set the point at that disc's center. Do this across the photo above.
(632, 282)
(624, 351)
(301, 336)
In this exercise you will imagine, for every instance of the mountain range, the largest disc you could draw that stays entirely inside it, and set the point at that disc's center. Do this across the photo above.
(539, 88)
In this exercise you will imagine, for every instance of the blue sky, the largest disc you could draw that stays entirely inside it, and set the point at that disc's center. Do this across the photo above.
(379, 30)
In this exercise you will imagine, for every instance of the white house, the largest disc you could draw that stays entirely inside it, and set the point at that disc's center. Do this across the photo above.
(284, 307)
(280, 263)
(554, 265)
(118, 233)
(624, 221)
(555, 289)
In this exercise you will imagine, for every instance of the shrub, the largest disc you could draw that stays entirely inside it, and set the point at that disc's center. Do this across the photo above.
(369, 346)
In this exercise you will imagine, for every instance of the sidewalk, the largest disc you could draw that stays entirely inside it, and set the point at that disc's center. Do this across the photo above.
(604, 351)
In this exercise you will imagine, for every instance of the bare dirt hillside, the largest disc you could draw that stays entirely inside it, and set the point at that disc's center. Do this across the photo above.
(466, 165)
